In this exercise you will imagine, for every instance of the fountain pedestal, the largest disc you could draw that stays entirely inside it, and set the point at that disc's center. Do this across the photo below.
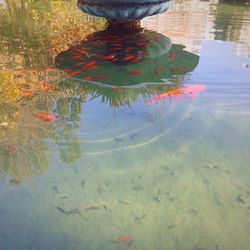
(123, 10)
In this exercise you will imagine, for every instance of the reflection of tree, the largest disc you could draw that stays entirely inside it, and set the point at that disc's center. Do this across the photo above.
(230, 16)
(117, 95)
(26, 141)
(33, 32)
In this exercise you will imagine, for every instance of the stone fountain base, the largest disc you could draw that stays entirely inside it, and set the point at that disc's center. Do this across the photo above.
(124, 11)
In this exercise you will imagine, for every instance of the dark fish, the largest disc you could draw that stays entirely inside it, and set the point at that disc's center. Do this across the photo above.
(91, 208)
(138, 188)
(75, 211)
(55, 189)
(173, 198)
(61, 210)
(64, 197)
(192, 211)
(171, 226)
(117, 139)
(83, 184)
(157, 199)
(239, 199)
(136, 218)
(206, 183)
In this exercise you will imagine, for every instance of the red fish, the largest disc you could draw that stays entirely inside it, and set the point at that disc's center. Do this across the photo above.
(135, 72)
(128, 58)
(88, 78)
(89, 65)
(127, 240)
(74, 73)
(110, 57)
(157, 72)
(26, 93)
(46, 117)
(172, 56)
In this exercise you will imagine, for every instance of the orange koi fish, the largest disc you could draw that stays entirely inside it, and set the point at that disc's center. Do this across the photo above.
(46, 117)
(135, 72)
(126, 239)
(26, 93)
(178, 94)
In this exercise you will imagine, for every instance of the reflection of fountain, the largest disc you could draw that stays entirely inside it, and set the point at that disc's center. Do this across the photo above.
(121, 66)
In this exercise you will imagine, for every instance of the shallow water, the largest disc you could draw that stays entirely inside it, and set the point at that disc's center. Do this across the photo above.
(163, 171)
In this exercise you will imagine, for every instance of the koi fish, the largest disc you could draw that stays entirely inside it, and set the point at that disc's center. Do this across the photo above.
(127, 240)
(172, 56)
(135, 72)
(88, 78)
(89, 65)
(26, 93)
(73, 73)
(46, 117)
(128, 58)
(177, 94)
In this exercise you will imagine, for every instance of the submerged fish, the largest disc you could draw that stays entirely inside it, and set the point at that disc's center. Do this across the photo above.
(46, 117)
(173, 56)
(239, 199)
(180, 93)
(89, 65)
(75, 211)
(135, 72)
(126, 240)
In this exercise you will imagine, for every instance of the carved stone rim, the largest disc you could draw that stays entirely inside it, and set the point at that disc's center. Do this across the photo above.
(109, 5)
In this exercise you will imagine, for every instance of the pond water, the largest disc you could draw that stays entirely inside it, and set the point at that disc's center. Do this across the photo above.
(144, 147)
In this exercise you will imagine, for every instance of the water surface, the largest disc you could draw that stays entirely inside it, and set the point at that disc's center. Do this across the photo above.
(139, 167)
